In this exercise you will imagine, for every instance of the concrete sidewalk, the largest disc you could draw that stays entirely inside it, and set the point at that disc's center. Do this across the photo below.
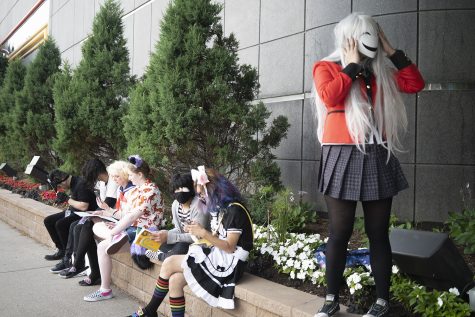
(29, 289)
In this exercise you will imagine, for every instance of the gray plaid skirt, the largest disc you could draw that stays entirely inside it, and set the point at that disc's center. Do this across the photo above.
(347, 173)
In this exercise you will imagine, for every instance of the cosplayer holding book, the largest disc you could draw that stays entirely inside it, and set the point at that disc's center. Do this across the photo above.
(146, 211)
(211, 273)
(186, 208)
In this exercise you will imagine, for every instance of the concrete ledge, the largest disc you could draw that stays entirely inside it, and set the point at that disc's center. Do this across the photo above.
(255, 296)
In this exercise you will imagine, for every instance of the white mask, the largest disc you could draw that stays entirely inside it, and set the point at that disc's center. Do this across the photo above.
(368, 44)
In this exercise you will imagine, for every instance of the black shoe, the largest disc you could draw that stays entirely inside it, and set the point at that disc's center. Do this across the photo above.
(55, 257)
(330, 307)
(64, 264)
(72, 271)
(378, 309)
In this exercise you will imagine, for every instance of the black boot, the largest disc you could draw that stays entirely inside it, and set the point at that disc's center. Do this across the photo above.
(56, 256)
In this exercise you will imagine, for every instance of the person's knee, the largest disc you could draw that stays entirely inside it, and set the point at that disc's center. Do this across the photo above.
(177, 282)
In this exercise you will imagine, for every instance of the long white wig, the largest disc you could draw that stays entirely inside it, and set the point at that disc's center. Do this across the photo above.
(389, 111)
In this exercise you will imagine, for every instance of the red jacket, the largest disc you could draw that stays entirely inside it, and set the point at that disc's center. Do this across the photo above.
(333, 86)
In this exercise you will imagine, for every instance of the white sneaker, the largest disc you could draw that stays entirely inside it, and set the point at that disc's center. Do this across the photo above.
(98, 296)
(153, 255)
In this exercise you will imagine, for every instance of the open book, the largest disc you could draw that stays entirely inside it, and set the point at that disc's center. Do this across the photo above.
(144, 239)
(86, 214)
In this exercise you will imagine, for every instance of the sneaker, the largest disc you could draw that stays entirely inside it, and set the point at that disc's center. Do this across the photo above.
(141, 313)
(118, 241)
(56, 256)
(378, 309)
(72, 271)
(154, 255)
(98, 296)
(330, 307)
(64, 264)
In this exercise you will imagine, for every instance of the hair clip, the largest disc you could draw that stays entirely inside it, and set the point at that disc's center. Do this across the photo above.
(199, 176)
(136, 160)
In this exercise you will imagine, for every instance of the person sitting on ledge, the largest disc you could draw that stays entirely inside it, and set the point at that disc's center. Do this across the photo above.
(58, 225)
(185, 208)
(146, 211)
(211, 270)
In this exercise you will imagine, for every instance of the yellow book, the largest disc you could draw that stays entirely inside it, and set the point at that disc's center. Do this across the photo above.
(144, 239)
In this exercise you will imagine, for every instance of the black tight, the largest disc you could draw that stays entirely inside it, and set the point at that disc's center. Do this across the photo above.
(341, 214)
(87, 244)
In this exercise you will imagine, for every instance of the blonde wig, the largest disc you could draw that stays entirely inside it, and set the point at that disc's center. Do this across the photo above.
(119, 168)
(389, 111)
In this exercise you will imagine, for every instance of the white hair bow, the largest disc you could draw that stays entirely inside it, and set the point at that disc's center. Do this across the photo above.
(199, 176)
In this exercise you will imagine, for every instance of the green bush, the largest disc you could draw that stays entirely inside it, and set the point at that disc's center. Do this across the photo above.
(12, 85)
(260, 205)
(289, 214)
(462, 229)
(427, 303)
(194, 105)
(34, 110)
(89, 107)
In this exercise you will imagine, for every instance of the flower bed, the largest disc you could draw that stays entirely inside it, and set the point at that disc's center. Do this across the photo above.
(294, 260)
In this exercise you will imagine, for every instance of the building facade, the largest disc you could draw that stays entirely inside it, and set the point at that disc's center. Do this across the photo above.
(283, 39)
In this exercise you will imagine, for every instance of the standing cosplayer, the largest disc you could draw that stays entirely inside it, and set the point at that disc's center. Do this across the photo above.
(360, 112)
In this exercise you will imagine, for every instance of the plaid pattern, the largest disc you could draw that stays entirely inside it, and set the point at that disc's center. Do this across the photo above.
(347, 173)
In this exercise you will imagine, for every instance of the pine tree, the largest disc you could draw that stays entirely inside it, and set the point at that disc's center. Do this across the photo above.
(3, 68)
(193, 106)
(95, 96)
(34, 112)
(13, 83)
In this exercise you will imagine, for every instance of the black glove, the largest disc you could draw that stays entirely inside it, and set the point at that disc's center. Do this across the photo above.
(61, 197)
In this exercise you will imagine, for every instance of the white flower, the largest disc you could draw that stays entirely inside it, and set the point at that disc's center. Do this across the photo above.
(292, 274)
(290, 263)
(352, 290)
(301, 275)
(454, 291)
(325, 240)
(440, 302)
(358, 286)
(297, 264)
(395, 269)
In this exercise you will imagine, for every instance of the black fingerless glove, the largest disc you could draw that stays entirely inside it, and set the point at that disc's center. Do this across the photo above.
(61, 197)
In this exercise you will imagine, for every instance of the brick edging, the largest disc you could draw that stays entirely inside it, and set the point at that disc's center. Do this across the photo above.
(255, 296)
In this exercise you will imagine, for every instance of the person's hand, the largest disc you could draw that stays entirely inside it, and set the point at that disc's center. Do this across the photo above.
(160, 236)
(195, 229)
(61, 197)
(101, 204)
(350, 51)
(387, 47)
(109, 225)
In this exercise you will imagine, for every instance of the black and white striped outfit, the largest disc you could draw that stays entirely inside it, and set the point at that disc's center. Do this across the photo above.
(212, 273)
(183, 216)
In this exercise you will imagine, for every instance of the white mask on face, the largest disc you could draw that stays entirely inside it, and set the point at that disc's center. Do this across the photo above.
(368, 44)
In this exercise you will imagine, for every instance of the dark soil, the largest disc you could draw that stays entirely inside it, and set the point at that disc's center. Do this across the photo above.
(263, 266)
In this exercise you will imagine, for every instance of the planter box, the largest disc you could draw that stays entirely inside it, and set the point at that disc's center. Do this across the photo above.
(255, 296)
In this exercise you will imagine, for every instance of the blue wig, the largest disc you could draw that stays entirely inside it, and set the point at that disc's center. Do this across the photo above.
(221, 193)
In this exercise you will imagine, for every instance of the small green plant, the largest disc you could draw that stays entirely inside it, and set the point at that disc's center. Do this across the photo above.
(462, 229)
(361, 286)
(260, 204)
(431, 303)
(395, 223)
(289, 214)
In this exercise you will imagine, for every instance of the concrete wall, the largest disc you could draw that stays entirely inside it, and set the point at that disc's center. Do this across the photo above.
(283, 38)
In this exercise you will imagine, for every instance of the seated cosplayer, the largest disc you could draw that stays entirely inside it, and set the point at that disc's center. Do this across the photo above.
(58, 225)
(146, 211)
(85, 243)
(186, 208)
(210, 272)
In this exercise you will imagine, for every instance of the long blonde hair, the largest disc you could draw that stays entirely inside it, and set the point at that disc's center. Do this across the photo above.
(389, 111)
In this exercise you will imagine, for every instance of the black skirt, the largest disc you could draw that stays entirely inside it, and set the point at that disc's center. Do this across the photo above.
(347, 173)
